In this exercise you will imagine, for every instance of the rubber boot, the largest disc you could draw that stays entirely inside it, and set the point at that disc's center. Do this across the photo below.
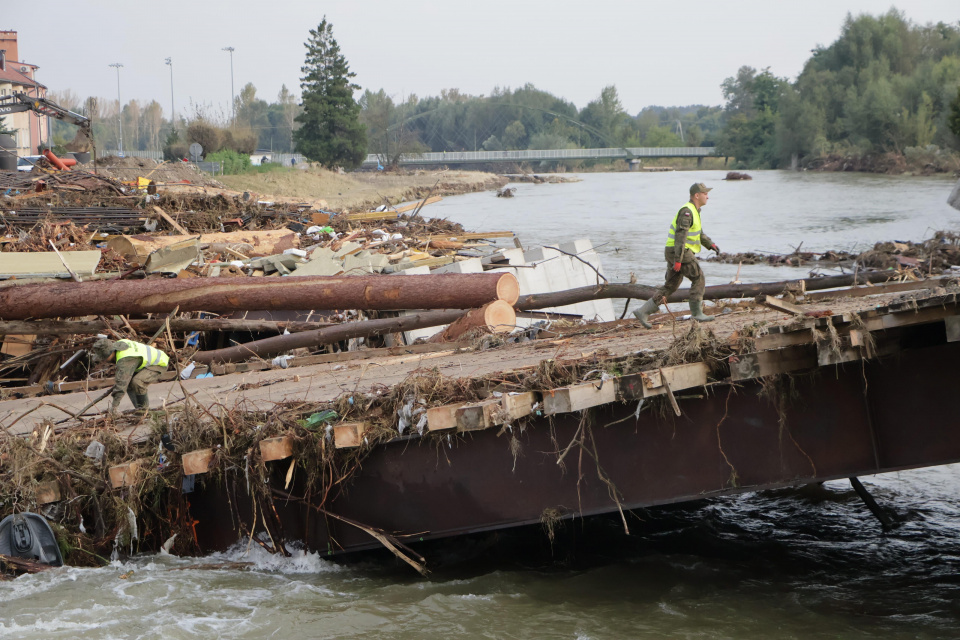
(643, 312)
(142, 404)
(696, 311)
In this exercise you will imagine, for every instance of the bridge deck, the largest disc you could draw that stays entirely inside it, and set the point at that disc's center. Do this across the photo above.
(535, 155)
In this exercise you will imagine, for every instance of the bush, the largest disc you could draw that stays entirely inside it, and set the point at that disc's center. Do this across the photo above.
(230, 161)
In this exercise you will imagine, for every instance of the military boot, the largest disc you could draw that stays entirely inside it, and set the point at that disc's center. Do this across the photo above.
(643, 312)
(696, 310)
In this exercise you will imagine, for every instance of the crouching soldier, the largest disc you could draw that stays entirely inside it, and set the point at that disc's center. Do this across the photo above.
(138, 366)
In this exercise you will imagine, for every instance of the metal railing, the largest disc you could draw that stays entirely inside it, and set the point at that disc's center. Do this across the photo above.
(537, 155)
(153, 155)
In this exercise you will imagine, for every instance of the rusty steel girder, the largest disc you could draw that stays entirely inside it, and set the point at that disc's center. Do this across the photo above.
(835, 422)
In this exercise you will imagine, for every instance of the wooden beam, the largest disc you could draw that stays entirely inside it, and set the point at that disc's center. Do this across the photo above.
(768, 363)
(873, 290)
(128, 473)
(579, 397)
(778, 305)
(654, 383)
(198, 461)
(173, 223)
(444, 417)
(278, 448)
(481, 415)
(349, 434)
(517, 405)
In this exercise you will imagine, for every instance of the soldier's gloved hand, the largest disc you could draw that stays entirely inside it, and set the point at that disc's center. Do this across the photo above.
(715, 248)
(676, 267)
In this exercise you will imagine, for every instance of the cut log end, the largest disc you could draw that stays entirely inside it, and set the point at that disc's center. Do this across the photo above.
(508, 289)
(500, 317)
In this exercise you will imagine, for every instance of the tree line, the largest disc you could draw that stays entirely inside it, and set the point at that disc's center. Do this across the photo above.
(885, 85)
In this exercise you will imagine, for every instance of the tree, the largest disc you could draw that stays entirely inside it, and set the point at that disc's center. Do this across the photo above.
(3, 128)
(953, 117)
(331, 132)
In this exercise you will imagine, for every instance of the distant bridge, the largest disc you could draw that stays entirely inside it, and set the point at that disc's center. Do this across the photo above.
(534, 155)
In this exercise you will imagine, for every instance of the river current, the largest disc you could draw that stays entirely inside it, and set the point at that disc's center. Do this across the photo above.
(800, 563)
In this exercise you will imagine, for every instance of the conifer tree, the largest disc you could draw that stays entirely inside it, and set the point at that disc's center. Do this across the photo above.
(330, 129)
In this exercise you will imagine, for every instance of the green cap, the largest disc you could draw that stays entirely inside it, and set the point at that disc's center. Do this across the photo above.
(699, 188)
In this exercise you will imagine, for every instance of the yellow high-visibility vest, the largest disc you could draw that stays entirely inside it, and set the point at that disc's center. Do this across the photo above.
(148, 355)
(693, 233)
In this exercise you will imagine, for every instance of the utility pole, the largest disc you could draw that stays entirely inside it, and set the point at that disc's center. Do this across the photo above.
(233, 100)
(117, 66)
(173, 112)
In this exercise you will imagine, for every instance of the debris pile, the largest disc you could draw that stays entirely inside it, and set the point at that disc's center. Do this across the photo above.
(936, 255)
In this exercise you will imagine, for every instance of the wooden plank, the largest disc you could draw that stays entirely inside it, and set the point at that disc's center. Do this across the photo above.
(579, 397)
(861, 292)
(827, 357)
(371, 215)
(173, 223)
(363, 354)
(922, 316)
(953, 328)
(48, 492)
(778, 305)
(17, 345)
(349, 434)
(768, 363)
(445, 417)
(787, 339)
(473, 235)
(198, 461)
(481, 415)
(278, 448)
(127, 474)
(428, 262)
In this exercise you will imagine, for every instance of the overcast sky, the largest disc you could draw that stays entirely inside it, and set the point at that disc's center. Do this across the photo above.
(656, 53)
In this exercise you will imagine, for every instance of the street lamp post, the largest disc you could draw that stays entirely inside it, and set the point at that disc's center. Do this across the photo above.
(117, 66)
(233, 105)
(173, 112)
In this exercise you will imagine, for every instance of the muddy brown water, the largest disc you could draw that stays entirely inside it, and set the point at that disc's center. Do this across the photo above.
(798, 563)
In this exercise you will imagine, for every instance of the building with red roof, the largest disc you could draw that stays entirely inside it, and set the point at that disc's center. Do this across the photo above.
(30, 129)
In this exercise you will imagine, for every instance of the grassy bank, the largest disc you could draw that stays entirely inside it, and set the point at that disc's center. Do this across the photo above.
(361, 190)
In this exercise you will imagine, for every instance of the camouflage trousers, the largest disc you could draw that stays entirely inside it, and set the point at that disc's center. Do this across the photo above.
(689, 268)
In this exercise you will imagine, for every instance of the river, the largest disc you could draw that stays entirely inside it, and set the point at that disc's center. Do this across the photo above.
(804, 563)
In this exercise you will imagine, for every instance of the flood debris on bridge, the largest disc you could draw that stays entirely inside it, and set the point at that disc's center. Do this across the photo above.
(570, 421)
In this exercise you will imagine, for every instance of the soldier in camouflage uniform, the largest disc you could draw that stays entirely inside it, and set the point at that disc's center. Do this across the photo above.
(684, 241)
(138, 366)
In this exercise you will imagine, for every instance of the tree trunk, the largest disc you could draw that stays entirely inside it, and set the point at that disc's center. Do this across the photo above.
(496, 317)
(368, 328)
(86, 327)
(120, 297)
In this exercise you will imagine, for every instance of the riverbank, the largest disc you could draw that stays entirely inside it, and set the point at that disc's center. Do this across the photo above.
(927, 161)
(362, 190)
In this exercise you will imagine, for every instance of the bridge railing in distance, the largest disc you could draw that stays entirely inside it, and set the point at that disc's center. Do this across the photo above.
(537, 155)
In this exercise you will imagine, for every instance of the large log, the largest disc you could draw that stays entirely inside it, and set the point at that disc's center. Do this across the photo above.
(495, 317)
(644, 292)
(308, 339)
(291, 293)
(262, 243)
(365, 329)
(88, 327)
